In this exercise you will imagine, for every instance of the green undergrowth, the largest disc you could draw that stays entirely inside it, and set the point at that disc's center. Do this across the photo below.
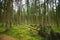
(27, 32)
(2, 27)
(24, 32)
(55, 28)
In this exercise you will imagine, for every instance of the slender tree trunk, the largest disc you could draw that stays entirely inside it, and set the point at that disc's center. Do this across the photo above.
(8, 14)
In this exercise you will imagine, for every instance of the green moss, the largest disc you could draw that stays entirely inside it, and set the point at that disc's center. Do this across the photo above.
(27, 32)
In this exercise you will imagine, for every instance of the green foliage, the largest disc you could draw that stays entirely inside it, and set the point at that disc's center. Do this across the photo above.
(2, 27)
(29, 32)
(24, 32)
(55, 28)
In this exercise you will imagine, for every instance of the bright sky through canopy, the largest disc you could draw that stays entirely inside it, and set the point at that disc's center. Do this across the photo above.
(15, 6)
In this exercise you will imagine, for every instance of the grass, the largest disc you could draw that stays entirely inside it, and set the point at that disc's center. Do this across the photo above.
(23, 32)
(27, 32)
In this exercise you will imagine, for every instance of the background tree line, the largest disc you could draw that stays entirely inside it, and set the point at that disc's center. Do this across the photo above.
(45, 13)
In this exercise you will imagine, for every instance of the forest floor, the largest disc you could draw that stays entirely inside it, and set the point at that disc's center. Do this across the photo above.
(26, 32)
(6, 37)
(20, 32)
